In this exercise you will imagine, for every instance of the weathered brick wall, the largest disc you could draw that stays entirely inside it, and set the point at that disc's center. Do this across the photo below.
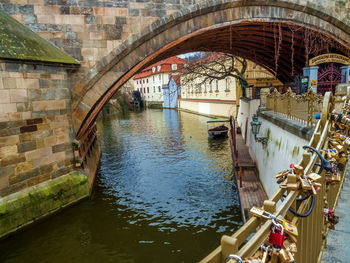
(35, 125)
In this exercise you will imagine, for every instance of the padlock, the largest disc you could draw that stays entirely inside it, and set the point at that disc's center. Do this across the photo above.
(277, 234)
(329, 154)
(282, 174)
(342, 160)
(256, 211)
(284, 256)
(327, 211)
(265, 251)
(329, 180)
(336, 178)
(333, 218)
(340, 148)
(289, 228)
(290, 186)
(290, 246)
(314, 177)
(298, 170)
(265, 256)
(274, 255)
(333, 153)
(305, 185)
(331, 226)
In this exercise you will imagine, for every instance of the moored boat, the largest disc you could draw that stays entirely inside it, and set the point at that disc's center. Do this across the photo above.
(218, 131)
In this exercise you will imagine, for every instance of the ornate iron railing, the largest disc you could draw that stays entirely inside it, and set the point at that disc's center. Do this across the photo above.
(299, 107)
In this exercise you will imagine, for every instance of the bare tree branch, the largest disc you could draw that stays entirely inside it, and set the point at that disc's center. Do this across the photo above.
(216, 66)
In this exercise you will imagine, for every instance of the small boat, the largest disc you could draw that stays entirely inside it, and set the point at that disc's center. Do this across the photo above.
(218, 131)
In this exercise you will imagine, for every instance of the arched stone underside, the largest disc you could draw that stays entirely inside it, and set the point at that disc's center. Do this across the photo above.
(251, 29)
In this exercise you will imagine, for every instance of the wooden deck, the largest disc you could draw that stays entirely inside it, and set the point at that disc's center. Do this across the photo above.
(252, 192)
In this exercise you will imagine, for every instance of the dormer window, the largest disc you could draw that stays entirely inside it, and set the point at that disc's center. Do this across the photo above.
(158, 68)
(174, 66)
(153, 69)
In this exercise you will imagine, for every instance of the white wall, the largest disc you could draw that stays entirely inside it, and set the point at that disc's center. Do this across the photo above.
(209, 108)
(154, 91)
(283, 148)
(246, 110)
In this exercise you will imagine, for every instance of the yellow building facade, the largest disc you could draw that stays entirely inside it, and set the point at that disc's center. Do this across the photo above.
(221, 97)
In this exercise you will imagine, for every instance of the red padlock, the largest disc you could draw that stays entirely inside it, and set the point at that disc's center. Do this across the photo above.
(277, 234)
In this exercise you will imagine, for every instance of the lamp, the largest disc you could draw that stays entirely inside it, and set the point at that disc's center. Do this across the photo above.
(255, 130)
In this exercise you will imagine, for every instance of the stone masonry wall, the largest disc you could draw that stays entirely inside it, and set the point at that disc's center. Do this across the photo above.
(90, 29)
(35, 125)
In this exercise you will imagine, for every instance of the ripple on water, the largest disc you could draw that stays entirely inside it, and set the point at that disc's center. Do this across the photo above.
(161, 194)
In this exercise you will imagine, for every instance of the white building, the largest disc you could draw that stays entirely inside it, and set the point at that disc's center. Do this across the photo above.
(151, 80)
(221, 97)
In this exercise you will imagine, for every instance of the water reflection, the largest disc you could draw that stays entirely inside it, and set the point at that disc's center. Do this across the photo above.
(161, 195)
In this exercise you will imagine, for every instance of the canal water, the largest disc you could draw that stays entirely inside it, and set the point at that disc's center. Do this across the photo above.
(163, 194)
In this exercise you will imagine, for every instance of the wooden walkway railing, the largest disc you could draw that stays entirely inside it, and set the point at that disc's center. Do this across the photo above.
(312, 229)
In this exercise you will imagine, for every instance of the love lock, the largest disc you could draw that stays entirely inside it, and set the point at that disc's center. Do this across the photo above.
(277, 234)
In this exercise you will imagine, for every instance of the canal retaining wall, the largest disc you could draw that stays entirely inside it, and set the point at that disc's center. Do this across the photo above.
(33, 204)
(285, 138)
(208, 108)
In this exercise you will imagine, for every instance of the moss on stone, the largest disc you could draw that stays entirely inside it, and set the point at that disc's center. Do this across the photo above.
(268, 134)
(295, 151)
(20, 43)
(29, 205)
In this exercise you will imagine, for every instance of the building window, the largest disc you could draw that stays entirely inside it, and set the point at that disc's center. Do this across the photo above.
(158, 88)
(159, 67)
(153, 78)
(210, 87)
(159, 76)
(147, 80)
(147, 89)
(153, 69)
(205, 87)
(144, 90)
(174, 66)
(217, 86)
(154, 89)
(227, 88)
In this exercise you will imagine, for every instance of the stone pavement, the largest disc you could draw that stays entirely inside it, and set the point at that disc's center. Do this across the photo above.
(338, 240)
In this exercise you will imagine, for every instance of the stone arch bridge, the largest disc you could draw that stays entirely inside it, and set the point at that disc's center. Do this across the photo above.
(113, 40)
(245, 28)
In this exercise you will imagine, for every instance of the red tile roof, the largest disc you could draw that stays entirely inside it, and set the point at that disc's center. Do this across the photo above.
(165, 67)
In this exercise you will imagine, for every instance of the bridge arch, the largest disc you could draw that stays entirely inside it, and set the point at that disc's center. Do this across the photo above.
(252, 29)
